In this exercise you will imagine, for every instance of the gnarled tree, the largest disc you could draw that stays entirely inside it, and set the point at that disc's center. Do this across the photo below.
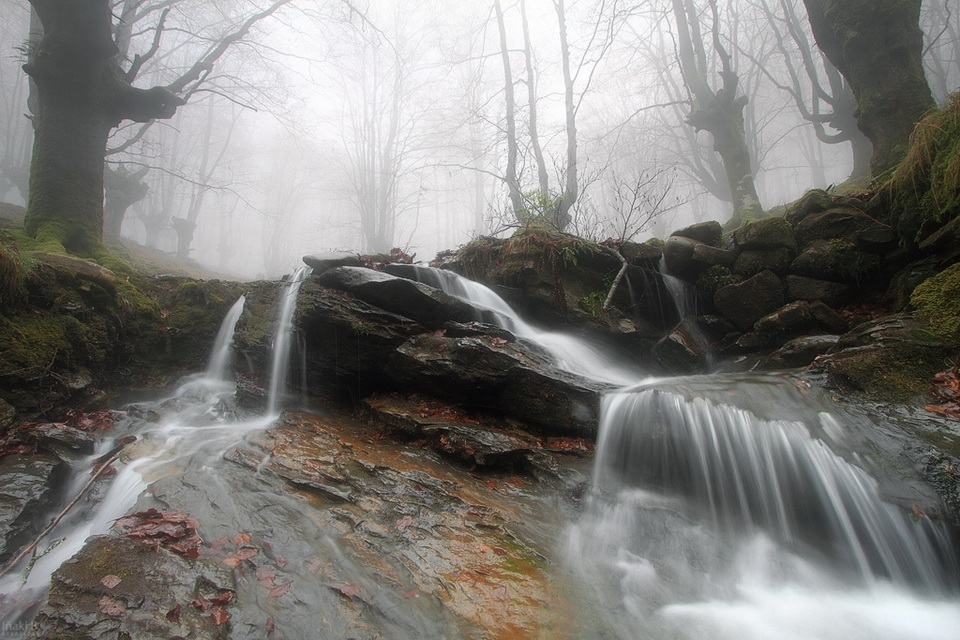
(877, 45)
(82, 95)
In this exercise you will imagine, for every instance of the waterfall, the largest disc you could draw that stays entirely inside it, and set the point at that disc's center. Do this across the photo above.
(684, 298)
(221, 353)
(710, 521)
(569, 353)
(283, 339)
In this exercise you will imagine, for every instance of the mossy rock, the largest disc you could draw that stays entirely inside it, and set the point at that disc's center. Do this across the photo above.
(937, 300)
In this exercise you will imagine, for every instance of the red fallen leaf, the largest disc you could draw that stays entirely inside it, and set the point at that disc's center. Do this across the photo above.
(232, 562)
(174, 614)
(498, 342)
(201, 603)
(412, 593)
(219, 543)
(241, 538)
(500, 551)
(271, 627)
(918, 511)
(266, 573)
(223, 598)
(281, 560)
(219, 615)
(110, 581)
(110, 607)
(245, 553)
(491, 484)
(515, 481)
(279, 590)
(350, 590)
(404, 522)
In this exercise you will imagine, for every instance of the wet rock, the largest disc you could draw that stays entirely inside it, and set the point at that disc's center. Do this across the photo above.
(477, 441)
(893, 358)
(426, 305)
(152, 583)
(768, 233)
(498, 376)
(838, 261)
(750, 262)
(641, 254)
(59, 437)
(810, 289)
(837, 222)
(678, 256)
(8, 415)
(683, 350)
(322, 262)
(708, 232)
(29, 485)
(745, 303)
(813, 201)
(713, 256)
(796, 318)
(799, 352)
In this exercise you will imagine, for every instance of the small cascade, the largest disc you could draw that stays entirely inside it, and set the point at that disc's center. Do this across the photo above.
(708, 521)
(198, 423)
(569, 353)
(221, 354)
(283, 340)
(684, 298)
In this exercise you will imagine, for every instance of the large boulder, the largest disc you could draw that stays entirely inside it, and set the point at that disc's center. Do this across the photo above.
(768, 233)
(810, 289)
(838, 222)
(709, 232)
(424, 304)
(748, 301)
(836, 260)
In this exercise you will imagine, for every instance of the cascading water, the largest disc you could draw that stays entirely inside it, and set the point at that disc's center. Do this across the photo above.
(708, 521)
(684, 298)
(284, 336)
(222, 352)
(569, 353)
(199, 423)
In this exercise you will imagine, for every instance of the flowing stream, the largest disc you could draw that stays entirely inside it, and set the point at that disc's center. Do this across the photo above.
(722, 506)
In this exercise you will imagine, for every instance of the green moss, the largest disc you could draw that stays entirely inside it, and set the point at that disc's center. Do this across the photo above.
(655, 242)
(713, 279)
(924, 190)
(937, 300)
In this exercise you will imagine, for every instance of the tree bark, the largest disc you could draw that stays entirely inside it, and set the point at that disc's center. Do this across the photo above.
(81, 96)
(513, 188)
(877, 45)
(719, 112)
(562, 216)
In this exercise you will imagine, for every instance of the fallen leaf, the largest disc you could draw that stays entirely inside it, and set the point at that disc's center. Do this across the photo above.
(404, 522)
(219, 615)
(219, 543)
(350, 590)
(241, 538)
(110, 607)
(500, 551)
(279, 590)
(271, 627)
(110, 581)
(281, 560)
(223, 598)
(266, 573)
(245, 553)
(174, 614)
(231, 562)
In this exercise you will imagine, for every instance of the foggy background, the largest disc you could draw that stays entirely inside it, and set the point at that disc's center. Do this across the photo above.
(369, 125)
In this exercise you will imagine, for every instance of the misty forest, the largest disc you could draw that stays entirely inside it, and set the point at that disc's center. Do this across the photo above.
(527, 319)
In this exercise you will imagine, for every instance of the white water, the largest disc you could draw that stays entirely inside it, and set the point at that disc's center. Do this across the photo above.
(568, 352)
(198, 423)
(221, 354)
(709, 522)
(283, 339)
(684, 299)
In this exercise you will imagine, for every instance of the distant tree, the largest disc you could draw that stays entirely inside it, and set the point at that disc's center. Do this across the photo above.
(877, 45)
(940, 21)
(83, 93)
(822, 96)
(717, 110)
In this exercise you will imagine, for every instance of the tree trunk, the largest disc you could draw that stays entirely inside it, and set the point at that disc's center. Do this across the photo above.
(81, 96)
(562, 216)
(718, 112)
(516, 198)
(122, 190)
(877, 45)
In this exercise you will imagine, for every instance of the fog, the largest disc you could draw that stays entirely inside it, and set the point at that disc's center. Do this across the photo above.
(366, 126)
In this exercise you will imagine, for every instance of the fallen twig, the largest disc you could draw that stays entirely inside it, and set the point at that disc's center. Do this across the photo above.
(107, 460)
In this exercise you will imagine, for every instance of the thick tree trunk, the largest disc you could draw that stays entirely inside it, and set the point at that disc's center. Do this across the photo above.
(877, 45)
(513, 187)
(81, 96)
